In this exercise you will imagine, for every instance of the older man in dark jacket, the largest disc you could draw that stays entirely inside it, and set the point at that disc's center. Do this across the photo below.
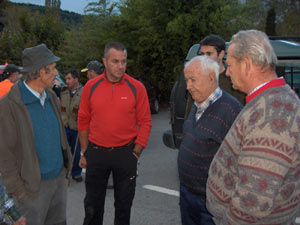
(34, 152)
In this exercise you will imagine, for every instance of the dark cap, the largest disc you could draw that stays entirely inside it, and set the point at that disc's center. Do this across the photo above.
(11, 68)
(94, 65)
(37, 57)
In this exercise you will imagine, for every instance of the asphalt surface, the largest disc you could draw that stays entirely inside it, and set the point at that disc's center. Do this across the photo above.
(156, 198)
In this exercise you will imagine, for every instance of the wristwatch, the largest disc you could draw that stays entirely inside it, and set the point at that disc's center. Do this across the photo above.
(82, 154)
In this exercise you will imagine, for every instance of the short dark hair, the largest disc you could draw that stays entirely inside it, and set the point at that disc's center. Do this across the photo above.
(214, 40)
(116, 45)
(73, 72)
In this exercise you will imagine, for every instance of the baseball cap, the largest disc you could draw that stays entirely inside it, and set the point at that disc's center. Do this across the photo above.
(94, 65)
(11, 68)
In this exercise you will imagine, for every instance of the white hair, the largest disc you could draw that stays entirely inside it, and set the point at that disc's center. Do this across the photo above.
(207, 64)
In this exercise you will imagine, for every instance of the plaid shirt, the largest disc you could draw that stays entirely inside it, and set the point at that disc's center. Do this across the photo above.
(8, 212)
(210, 100)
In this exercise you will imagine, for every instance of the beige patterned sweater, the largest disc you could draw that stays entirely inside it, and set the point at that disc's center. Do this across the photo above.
(255, 176)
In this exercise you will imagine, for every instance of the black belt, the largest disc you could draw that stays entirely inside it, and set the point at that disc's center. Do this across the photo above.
(112, 148)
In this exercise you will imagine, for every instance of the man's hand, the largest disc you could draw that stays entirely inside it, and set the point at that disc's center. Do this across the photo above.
(137, 150)
(20, 221)
(82, 162)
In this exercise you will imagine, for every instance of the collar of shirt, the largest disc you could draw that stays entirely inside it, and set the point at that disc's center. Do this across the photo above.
(41, 97)
(72, 93)
(265, 86)
(210, 100)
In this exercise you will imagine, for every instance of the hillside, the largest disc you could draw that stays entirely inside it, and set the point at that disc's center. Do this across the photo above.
(70, 18)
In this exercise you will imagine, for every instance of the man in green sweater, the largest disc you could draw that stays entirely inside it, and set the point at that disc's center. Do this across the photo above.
(34, 151)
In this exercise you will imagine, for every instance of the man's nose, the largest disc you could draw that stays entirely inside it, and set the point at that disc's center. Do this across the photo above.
(121, 65)
(227, 73)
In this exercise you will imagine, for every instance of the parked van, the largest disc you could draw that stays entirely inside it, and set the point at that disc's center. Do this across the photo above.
(288, 54)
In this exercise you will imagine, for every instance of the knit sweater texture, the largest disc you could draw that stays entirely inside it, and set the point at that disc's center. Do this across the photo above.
(202, 139)
(46, 133)
(255, 176)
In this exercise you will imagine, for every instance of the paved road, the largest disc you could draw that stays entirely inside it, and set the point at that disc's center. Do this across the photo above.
(156, 199)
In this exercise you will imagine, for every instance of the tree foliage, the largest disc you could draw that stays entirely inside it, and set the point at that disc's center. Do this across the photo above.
(157, 33)
(29, 30)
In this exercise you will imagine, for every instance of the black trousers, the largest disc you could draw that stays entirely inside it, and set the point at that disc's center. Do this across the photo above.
(100, 163)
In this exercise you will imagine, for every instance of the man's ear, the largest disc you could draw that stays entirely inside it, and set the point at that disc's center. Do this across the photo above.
(222, 54)
(42, 71)
(248, 66)
(212, 76)
(104, 61)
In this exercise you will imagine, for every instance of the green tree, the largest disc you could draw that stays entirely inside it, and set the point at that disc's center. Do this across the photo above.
(158, 33)
(104, 8)
(85, 42)
(270, 22)
(31, 29)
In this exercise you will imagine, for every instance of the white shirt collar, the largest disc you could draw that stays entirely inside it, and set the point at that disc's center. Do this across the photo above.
(41, 97)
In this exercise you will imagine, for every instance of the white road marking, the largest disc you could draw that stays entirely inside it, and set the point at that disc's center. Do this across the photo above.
(161, 190)
(176, 193)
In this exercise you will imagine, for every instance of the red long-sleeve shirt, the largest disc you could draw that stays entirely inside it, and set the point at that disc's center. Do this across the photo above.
(115, 113)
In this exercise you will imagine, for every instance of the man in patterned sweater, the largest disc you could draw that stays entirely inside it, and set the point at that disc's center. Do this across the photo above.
(255, 176)
(211, 116)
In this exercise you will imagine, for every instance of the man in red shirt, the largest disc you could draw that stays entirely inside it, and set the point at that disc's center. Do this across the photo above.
(11, 75)
(114, 124)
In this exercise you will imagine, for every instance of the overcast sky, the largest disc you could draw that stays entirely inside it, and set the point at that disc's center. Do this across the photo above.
(70, 5)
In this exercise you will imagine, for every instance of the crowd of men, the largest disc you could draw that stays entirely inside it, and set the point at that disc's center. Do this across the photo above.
(238, 163)
(53, 135)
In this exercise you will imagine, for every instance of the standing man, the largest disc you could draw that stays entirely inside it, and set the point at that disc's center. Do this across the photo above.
(34, 151)
(93, 69)
(214, 46)
(11, 74)
(211, 116)
(114, 124)
(70, 100)
(254, 177)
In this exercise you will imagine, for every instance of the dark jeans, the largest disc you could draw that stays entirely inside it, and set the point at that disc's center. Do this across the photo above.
(100, 163)
(72, 135)
(193, 209)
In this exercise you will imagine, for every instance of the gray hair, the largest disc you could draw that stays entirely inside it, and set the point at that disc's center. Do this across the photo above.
(207, 64)
(29, 76)
(255, 45)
